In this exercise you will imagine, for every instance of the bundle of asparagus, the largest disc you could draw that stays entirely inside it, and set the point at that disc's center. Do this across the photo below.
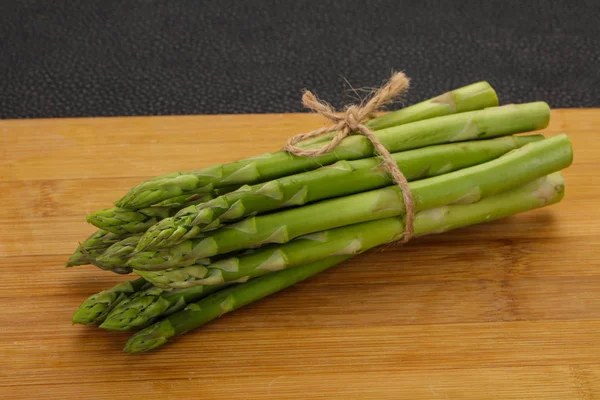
(206, 242)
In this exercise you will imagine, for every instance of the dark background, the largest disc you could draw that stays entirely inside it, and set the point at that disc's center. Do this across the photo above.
(64, 58)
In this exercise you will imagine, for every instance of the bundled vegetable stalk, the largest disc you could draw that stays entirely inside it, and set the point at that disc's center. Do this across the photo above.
(204, 243)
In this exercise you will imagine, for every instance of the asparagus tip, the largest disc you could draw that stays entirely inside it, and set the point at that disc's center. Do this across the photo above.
(112, 325)
(150, 338)
(84, 316)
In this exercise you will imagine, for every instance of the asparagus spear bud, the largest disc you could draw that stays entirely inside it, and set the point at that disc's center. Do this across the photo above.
(146, 307)
(339, 179)
(488, 123)
(123, 221)
(539, 193)
(95, 308)
(115, 257)
(473, 97)
(516, 168)
(92, 247)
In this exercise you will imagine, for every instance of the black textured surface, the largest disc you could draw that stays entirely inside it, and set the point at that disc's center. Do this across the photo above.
(95, 58)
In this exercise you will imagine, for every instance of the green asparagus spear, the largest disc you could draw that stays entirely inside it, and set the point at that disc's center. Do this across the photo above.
(95, 308)
(146, 307)
(539, 193)
(488, 123)
(350, 240)
(473, 97)
(116, 255)
(122, 221)
(339, 179)
(510, 170)
(92, 247)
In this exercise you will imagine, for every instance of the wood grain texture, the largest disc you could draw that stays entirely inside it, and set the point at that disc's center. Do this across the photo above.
(507, 310)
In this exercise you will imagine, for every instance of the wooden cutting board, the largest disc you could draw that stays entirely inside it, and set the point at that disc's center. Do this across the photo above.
(507, 310)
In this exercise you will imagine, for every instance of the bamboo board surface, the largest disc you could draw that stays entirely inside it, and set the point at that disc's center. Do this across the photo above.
(509, 309)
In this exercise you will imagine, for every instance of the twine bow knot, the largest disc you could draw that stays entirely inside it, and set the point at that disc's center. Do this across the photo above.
(353, 121)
